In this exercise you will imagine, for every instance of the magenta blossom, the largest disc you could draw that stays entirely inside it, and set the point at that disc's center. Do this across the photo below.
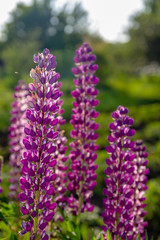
(61, 168)
(140, 187)
(118, 201)
(82, 176)
(39, 159)
(18, 121)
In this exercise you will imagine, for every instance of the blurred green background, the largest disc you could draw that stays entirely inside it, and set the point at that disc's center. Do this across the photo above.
(129, 75)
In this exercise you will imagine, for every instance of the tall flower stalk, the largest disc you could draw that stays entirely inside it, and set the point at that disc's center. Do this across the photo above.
(61, 168)
(61, 171)
(82, 176)
(140, 187)
(39, 159)
(16, 135)
(118, 201)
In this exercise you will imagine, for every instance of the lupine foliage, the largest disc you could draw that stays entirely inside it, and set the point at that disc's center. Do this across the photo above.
(51, 195)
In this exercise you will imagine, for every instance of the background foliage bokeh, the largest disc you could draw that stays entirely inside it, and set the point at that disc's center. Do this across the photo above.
(129, 75)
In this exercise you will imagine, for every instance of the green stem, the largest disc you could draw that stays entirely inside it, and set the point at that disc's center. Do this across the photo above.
(51, 230)
(80, 204)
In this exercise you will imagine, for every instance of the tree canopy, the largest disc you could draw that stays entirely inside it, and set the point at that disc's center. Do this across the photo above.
(62, 27)
(37, 26)
(144, 33)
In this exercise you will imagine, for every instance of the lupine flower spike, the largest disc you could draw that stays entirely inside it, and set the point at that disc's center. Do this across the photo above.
(140, 187)
(61, 171)
(39, 159)
(18, 121)
(61, 168)
(1, 163)
(82, 176)
(118, 200)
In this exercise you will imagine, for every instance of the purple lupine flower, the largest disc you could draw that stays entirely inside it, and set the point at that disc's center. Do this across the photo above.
(18, 121)
(61, 168)
(82, 176)
(1, 163)
(39, 159)
(140, 187)
(118, 200)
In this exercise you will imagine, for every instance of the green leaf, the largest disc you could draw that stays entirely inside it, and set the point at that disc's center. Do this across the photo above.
(102, 238)
(13, 237)
(68, 225)
(10, 209)
(146, 235)
(63, 236)
(93, 237)
(74, 225)
(76, 230)
(78, 233)
(71, 235)
(139, 237)
(109, 235)
(4, 219)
